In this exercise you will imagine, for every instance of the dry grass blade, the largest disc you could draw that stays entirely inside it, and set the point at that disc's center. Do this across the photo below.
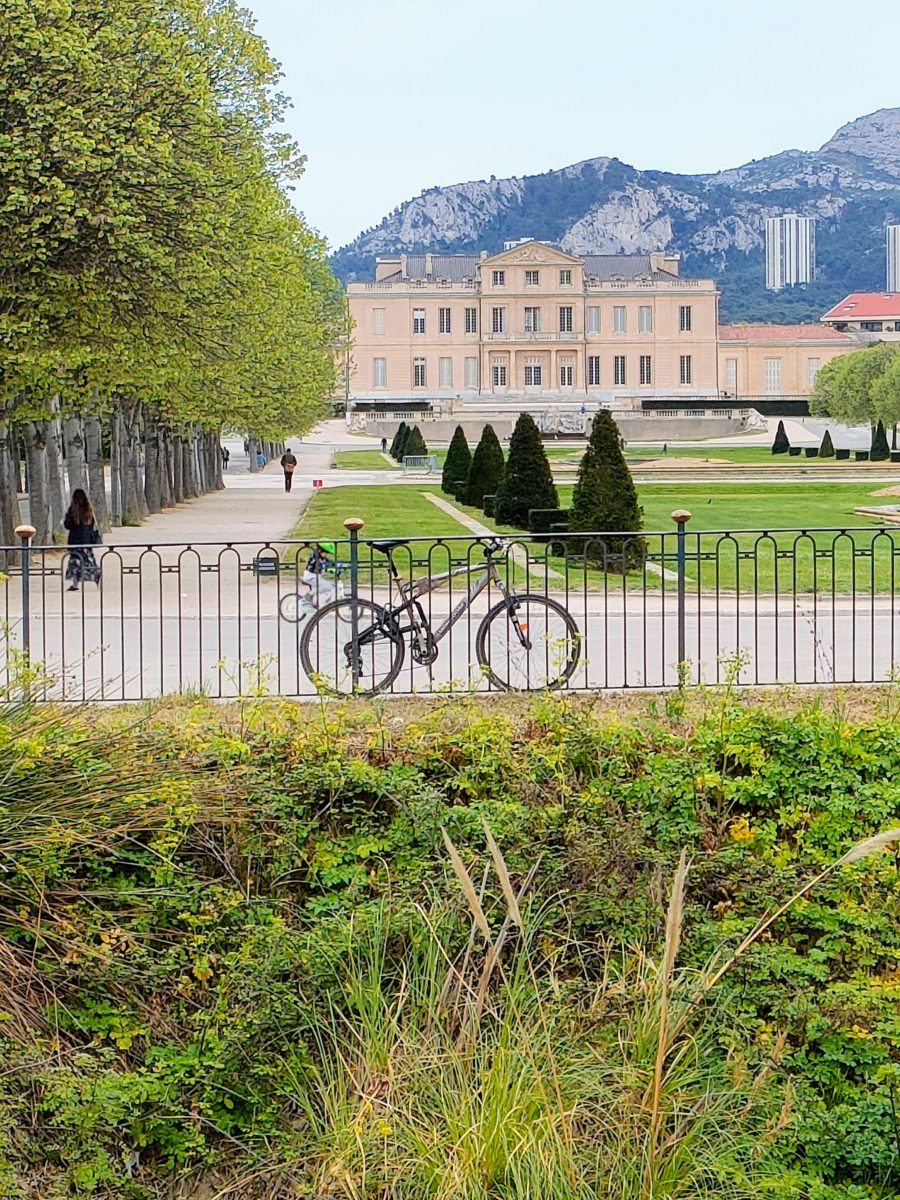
(869, 846)
(467, 886)
(512, 904)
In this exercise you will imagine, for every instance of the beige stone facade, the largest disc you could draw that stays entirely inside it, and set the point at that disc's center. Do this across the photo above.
(533, 323)
(770, 361)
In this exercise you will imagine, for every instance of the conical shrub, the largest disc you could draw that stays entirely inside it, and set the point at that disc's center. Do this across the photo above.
(403, 442)
(458, 462)
(782, 444)
(528, 482)
(605, 501)
(826, 450)
(880, 451)
(415, 447)
(397, 439)
(488, 467)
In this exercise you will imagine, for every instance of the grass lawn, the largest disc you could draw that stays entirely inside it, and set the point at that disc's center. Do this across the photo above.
(361, 460)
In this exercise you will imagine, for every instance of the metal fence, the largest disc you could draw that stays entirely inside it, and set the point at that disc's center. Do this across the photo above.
(677, 606)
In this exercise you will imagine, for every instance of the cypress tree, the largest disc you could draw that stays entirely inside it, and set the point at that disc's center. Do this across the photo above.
(782, 444)
(403, 442)
(604, 500)
(401, 432)
(415, 447)
(458, 462)
(528, 482)
(880, 449)
(826, 450)
(486, 474)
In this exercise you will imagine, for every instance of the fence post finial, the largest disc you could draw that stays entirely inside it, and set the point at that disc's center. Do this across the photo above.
(681, 516)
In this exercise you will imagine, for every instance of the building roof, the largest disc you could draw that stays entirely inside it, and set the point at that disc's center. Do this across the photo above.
(622, 266)
(781, 333)
(443, 266)
(604, 267)
(865, 306)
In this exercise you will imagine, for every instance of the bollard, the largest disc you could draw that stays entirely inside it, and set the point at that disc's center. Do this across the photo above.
(25, 533)
(681, 516)
(353, 525)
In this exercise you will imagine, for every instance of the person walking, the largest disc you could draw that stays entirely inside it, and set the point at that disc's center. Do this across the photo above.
(383, 445)
(83, 535)
(288, 465)
(226, 455)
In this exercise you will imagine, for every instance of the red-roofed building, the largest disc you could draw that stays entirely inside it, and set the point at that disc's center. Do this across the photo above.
(776, 360)
(873, 315)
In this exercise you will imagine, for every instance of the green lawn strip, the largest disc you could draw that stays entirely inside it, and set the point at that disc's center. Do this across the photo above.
(362, 460)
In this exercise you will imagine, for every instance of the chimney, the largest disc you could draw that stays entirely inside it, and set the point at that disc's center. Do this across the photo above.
(428, 266)
(662, 260)
(404, 274)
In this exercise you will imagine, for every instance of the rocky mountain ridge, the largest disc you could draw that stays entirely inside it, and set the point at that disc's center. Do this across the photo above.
(851, 184)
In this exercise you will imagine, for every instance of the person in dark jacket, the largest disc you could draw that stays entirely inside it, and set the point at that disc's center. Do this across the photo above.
(83, 535)
(288, 465)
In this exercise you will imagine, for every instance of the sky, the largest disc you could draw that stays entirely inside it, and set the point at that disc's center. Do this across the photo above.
(395, 96)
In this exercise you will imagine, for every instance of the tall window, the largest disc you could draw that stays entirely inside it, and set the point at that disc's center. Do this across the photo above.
(471, 372)
(471, 320)
(418, 372)
(444, 320)
(378, 321)
(418, 320)
(565, 318)
(498, 278)
(684, 318)
(566, 373)
(565, 277)
(619, 370)
(686, 369)
(532, 374)
(646, 367)
(593, 370)
(498, 320)
(379, 372)
(532, 320)
(812, 370)
(445, 372)
(498, 375)
(619, 323)
(645, 319)
(772, 376)
(532, 278)
(593, 318)
(731, 374)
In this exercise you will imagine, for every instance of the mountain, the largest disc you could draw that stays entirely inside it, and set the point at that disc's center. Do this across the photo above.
(716, 222)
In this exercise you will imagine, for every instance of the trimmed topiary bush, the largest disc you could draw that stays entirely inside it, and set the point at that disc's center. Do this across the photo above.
(812, 451)
(842, 455)
(414, 446)
(542, 520)
(782, 444)
(826, 450)
(486, 474)
(458, 462)
(605, 500)
(487, 505)
(528, 482)
(402, 430)
(880, 451)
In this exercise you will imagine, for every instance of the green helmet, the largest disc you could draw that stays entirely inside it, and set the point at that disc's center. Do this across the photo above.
(328, 547)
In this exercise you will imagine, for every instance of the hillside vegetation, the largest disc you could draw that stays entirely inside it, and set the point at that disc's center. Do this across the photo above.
(460, 950)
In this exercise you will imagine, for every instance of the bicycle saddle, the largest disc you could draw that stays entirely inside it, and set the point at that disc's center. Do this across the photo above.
(389, 544)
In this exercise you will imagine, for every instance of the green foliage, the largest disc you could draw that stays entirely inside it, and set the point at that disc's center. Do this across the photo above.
(880, 450)
(414, 445)
(859, 388)
(826, 450)
(527, 483)
(782, 444)
(542, 520)
(458, 462)
(488, 467)
(398, 439)
(403, 442)
(604, 500)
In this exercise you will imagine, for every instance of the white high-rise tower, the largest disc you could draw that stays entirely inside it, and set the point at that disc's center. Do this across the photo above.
(790, 251)
(892, 239)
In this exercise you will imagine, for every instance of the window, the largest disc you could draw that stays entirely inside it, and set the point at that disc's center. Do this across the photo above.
(565, 277)
(498, 320)
(532, 278)
(443, 320)
(593, 370)
(378, 321)
(686, 369)
(565, 318)
(418, 372)
(731, 374)
(812, 370)
(471, 320)
(566, 374)
(445, 372)
(379, 372)
(684, 318)
(646, 370)
(471, 372)
(418, 320)
(532, 375)
(498, 278)
(772, 376)
(645, 319)
(593, 318)
(619, 323)
(619, 369)
(532, 320)
(498, 375)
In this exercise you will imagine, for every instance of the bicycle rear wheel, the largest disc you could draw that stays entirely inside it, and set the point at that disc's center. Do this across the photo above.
(293, 607)
(528, 643)
(326, 648)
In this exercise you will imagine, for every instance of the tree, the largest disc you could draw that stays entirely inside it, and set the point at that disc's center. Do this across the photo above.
(457, 463)
(488, 467)
(782, 444)
(605, 500)
(527, 482)
(826, 450)
(846, 387)
(415, 444)
(397, 439)
(880, 450)
(403, 442)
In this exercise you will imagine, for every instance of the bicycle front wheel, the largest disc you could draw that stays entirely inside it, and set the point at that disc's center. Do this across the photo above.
(527, 644)
(327, 654)
(293, 607)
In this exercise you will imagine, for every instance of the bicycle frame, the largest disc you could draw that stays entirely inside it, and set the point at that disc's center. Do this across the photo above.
(413, 592)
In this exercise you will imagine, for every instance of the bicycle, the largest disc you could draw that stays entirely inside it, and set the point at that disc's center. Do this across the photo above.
(524, 642)
(297, 606)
